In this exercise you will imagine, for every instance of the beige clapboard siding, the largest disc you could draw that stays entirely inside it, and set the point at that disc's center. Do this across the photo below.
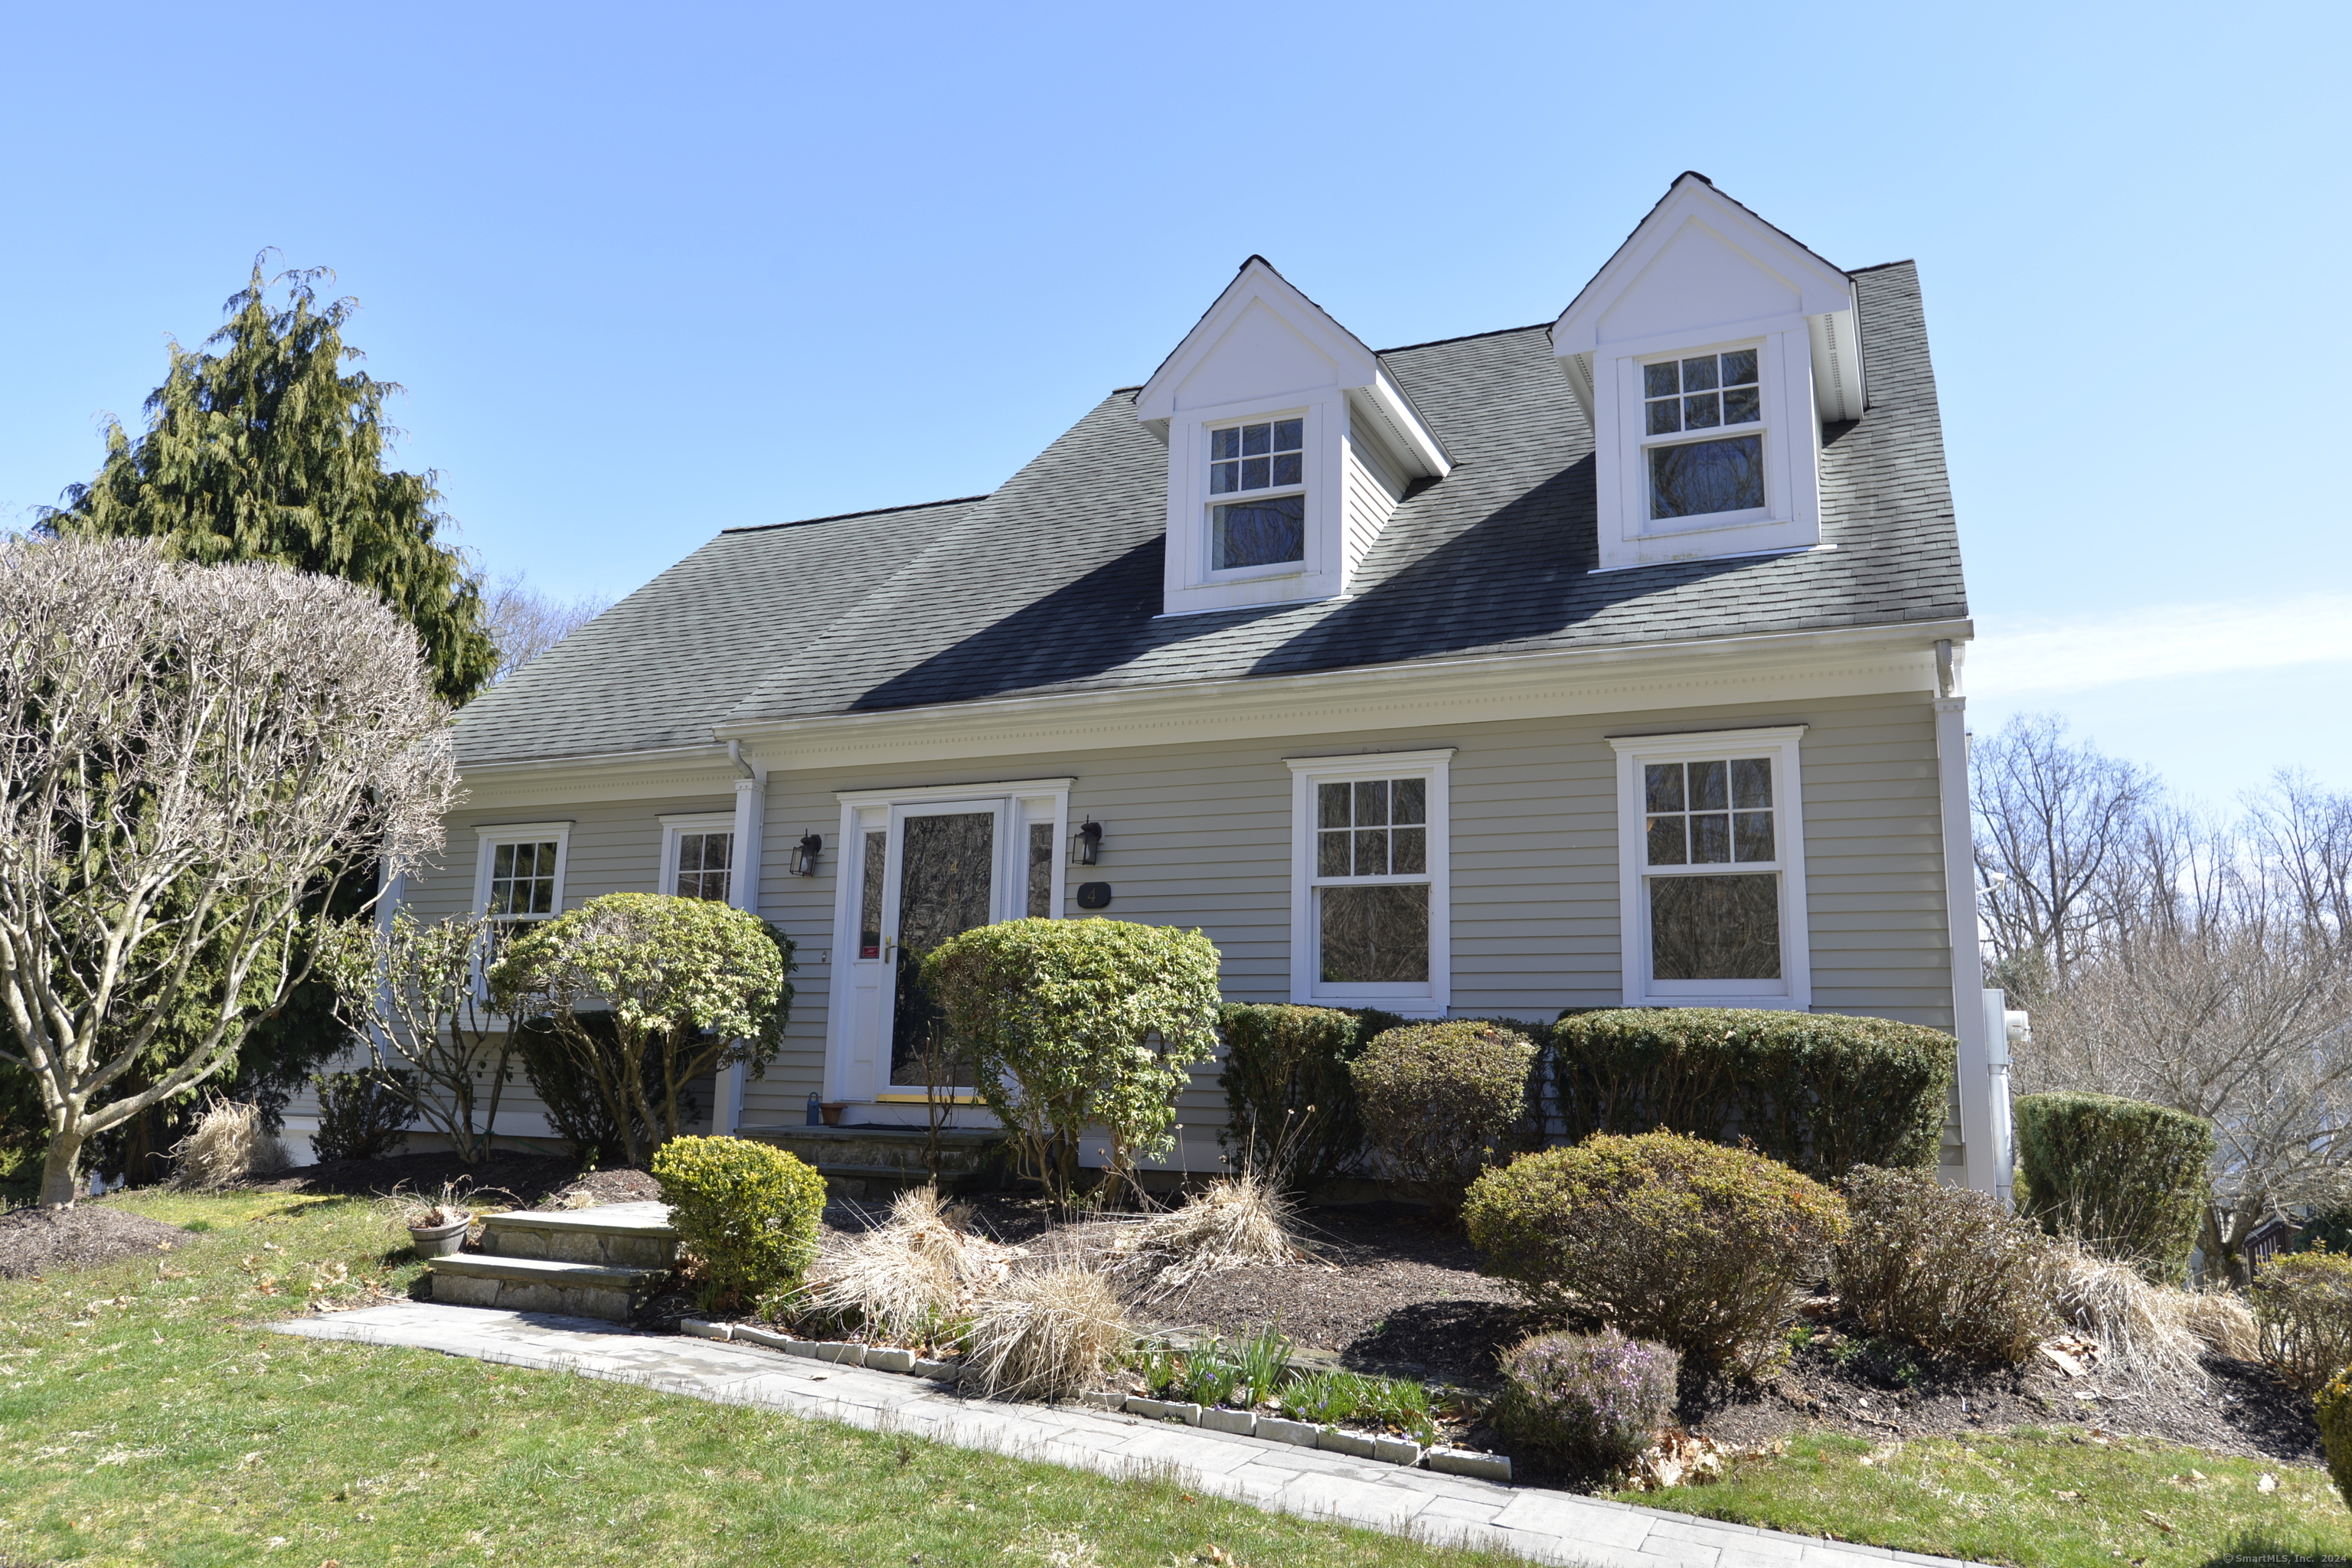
(1200, 836)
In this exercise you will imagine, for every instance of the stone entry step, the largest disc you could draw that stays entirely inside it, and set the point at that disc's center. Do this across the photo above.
(874, 1164)
(602, 1262)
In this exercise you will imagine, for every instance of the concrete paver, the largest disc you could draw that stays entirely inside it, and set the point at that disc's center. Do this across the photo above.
(1540, 1525)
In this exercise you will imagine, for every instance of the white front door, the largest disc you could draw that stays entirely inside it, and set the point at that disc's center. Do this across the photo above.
(914, 873)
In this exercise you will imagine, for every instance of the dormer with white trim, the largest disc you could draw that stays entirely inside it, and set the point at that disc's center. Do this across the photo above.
(1289, 447)
(1708, 352)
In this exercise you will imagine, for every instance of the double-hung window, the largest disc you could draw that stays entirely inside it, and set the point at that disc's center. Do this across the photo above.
(1369, 904)
(1712, 848)
(519, 875)
(699, 856)
(1702, 436)
(1257, 494)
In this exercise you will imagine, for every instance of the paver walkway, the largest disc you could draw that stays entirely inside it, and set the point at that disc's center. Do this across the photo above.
(1541, 1525)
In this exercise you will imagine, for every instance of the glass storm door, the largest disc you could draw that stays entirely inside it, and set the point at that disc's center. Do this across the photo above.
(940, 879)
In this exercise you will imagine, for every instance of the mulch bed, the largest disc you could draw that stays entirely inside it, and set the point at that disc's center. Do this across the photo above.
(535, 1181)
(37, 1241)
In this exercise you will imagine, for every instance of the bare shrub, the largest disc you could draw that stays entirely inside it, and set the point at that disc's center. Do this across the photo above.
(229, 1144)
(912, 1276)
(1046, 1335)
(2303, 1305)
(2156, 1333)
(1945, 1269)
(1235, 1222)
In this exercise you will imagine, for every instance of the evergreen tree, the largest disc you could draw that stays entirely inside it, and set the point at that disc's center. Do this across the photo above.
(268, 452)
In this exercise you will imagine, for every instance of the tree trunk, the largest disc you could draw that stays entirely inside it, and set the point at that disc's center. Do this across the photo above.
(60, 1178)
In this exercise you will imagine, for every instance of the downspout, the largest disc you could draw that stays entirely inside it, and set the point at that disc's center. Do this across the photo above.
(743, 892)
(1982, 1142)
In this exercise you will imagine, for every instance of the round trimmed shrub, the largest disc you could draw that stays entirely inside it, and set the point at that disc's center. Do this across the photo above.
(1945, 1269)
(1589, 1402)
(2332, 1405)
(1672, 1239)
(1439, 1100)
(2127, 1178)
(1820, 1091)
(1072, 1025)
(747, 1211)
(2302, 1313)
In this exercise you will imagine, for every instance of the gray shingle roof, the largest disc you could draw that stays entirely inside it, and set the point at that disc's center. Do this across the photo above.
(1053, 583)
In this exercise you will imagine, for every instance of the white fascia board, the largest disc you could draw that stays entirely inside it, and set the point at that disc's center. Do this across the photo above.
(1256, 283)
(1823, 288)
(1659, 679)
(1404, 432)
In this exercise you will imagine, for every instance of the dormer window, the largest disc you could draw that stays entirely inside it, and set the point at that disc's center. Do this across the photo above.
(1268, 529)
(1696, 395)
(1708, 353)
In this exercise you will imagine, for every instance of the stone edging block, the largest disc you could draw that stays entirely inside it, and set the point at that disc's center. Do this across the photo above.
(1355, 1445)
(1470, 1462)
(1299, 1433)
(703, 1330)
(1242, 1423)
(1164, 1410)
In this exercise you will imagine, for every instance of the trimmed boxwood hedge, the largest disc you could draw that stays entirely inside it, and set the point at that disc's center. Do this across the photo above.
(1280, 1060)
(1820, 1091)
(2127, 1176)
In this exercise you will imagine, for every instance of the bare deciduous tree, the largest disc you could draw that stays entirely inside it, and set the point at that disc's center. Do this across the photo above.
(2052, 820)
(194, 754)
(414, 991)
(2219, 982)
(525, 623)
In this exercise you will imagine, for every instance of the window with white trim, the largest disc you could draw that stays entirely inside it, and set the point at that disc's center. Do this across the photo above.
(699, 856)
(519, 875)
(1262, 464)
(1369, 910)
(1711, 840)
(1703, 435)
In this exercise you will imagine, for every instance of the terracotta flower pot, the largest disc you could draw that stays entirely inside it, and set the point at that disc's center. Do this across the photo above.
(831, 1112)
(439, 1240)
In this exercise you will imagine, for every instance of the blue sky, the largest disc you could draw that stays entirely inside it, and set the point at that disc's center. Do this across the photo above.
(647, 272)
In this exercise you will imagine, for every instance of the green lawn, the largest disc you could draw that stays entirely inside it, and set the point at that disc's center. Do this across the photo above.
(143, 1420)
(2061, 1499)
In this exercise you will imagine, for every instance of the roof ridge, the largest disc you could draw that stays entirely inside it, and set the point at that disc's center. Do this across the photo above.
(846, 515)
(1463, 338)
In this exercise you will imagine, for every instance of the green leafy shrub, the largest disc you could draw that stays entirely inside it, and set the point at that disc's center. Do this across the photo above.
(1077, 1024)
(2333, 1406)
(1945, 1269)
(360, 1116)
(690, 984)
(2303, 1312)
(1587, 1402)
(748, 1212)
(2125, 1178)
(582, 1115)
(1290, 1104)
(1671, 1238)
(1441, 1100)
(1818, 1091)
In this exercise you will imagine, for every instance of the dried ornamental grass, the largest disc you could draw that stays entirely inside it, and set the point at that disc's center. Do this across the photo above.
(1048, 1335)
(229, 1144)
(1237, 1221)
(2158, 1332)
(912, 1277)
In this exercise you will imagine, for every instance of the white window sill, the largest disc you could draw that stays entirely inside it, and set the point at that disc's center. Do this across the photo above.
(1780, 1003)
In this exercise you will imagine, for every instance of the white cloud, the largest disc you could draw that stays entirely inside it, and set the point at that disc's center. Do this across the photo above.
(2161, 642)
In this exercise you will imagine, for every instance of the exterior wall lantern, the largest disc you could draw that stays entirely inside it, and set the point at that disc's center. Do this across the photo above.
(805, 853)
(1085, 844)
